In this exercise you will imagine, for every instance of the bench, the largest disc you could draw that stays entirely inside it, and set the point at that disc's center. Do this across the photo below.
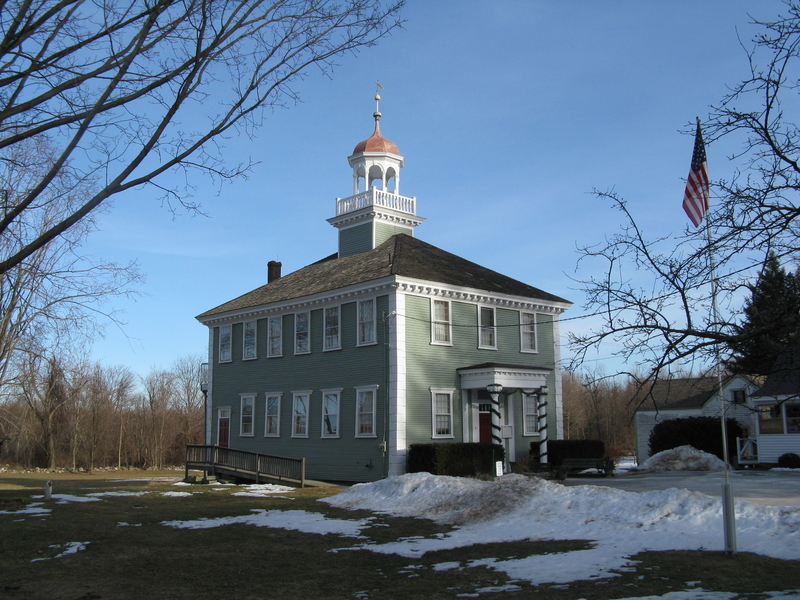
(604, 466)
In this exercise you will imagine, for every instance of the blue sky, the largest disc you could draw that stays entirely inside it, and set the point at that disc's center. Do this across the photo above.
(508, 113)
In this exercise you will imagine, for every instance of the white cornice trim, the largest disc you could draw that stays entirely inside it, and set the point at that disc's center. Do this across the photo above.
(331, 297)
(388, 215)
(430, 289)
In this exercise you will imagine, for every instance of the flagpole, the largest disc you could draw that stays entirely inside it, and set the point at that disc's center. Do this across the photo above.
(696, 204)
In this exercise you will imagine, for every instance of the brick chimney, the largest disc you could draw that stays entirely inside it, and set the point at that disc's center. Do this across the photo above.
(273, 271)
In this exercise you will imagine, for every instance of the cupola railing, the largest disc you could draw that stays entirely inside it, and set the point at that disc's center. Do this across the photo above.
(376, 197)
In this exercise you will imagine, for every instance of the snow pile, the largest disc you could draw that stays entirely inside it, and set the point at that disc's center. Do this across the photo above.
(621, 524)
(683, 458)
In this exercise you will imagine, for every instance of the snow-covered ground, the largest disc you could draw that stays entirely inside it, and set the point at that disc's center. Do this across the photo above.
(515, 507)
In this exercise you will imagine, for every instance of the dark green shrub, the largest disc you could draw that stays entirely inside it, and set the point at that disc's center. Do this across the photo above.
(454, 459)
(790, 460)
(703, 433)
(558, 450)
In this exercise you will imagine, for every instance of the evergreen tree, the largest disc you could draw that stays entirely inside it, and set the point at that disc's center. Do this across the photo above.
(771, 324)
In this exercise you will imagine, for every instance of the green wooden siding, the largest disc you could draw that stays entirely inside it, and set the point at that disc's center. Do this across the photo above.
(346, 458)
(430, 365)
(383, 231)
(355, 240)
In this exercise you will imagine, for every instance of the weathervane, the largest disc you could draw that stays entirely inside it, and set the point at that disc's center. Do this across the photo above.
(377, 114)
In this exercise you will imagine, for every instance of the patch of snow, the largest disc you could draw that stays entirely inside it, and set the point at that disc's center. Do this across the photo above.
(264, 489)
(683, 458)
(115, 494)
(66, 498)
(176, 494)
(69, 548)
(295, 520)
(619, 524)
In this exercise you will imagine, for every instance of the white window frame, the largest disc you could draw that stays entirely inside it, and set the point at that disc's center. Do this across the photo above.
(277, 432)
(297, 333)
(275, 325)
(225, 347)
(327, 342)
(525, 328)
(363, 339)
(439, 325)
(251, 344)
(435, 412)
(373, 390)
(530, 408)
(336, 395)
(490, 329)
(247, 400)
(296, 401)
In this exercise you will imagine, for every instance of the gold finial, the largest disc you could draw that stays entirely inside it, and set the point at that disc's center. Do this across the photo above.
(377, 114)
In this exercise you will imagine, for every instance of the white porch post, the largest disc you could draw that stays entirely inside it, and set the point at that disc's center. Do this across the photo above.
(542, 408)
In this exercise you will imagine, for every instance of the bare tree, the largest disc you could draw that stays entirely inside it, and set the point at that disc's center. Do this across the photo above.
(132, 90)
(189, 398)
(654, 296)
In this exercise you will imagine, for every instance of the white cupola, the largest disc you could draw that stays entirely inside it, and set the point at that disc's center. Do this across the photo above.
(376, 211)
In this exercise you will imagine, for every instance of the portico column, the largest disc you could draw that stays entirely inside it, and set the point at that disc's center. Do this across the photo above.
(495, 389)
(542, 409)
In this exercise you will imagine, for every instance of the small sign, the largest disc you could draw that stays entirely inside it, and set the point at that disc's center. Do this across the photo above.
(498, 468)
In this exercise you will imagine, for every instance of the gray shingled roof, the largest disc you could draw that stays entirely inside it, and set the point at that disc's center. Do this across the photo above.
(678, 393)
(400, 255)
(785, 378)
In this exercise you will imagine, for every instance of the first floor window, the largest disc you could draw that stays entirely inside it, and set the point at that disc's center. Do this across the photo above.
(301, 333)
(770, 419)
(531, 415)
(487, 330)
(330, 413)
(224, 343)
(441, 322)
(366, 322)
(332, 328)
(527, 326)
(442, 413)
(793, 418)
(249, 350)
(274, 339)
(273, 416)
(365, 412)
(246, 417)
(300, 414)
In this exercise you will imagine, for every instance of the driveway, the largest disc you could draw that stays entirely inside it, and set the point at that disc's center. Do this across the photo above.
(771, 488)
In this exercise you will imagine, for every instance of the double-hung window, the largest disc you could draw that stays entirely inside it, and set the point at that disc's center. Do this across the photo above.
(224, 343)
(527, 332)
(531, 414)
(300, 414)
(488, 333)
(274, 337)
(302, 327)
(366, 322)
(249, 337)
(272, 420)
(330, 413)
(442, 404)
(441, 332)
(365, 411)
(246, 416)
(332, 337)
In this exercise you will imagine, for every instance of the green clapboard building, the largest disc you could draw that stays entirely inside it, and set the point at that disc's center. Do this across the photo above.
(388, 342)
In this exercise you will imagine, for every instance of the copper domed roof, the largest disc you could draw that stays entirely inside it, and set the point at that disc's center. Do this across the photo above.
(376, 142)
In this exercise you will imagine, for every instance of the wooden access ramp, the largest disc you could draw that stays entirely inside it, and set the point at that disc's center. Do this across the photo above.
(219, 461)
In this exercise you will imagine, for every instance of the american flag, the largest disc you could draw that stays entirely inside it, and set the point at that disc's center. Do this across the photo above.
(696, 196)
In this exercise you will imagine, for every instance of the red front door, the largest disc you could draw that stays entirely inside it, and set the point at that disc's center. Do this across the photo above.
(484, 424)
(224, 431)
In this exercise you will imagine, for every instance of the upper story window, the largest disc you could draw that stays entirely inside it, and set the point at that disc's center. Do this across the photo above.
(246, 416)
(441, 328)
(366, 322)
(300, 414)
(272, 421)
(224, 343)
(249, 337)
(486, 326)
(527, 332)
(274, 336)
(302, 338)
(442, 405)
(330, 413)
(365, 411)
(332, 337)
(739, 396)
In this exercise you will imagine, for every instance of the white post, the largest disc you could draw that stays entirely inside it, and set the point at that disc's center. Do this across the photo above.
(48, 490)
(542, 411)
(495, 389)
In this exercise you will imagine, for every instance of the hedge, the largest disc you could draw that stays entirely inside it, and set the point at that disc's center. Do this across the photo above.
(558, 450)
(454, 459)
(703, 433)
